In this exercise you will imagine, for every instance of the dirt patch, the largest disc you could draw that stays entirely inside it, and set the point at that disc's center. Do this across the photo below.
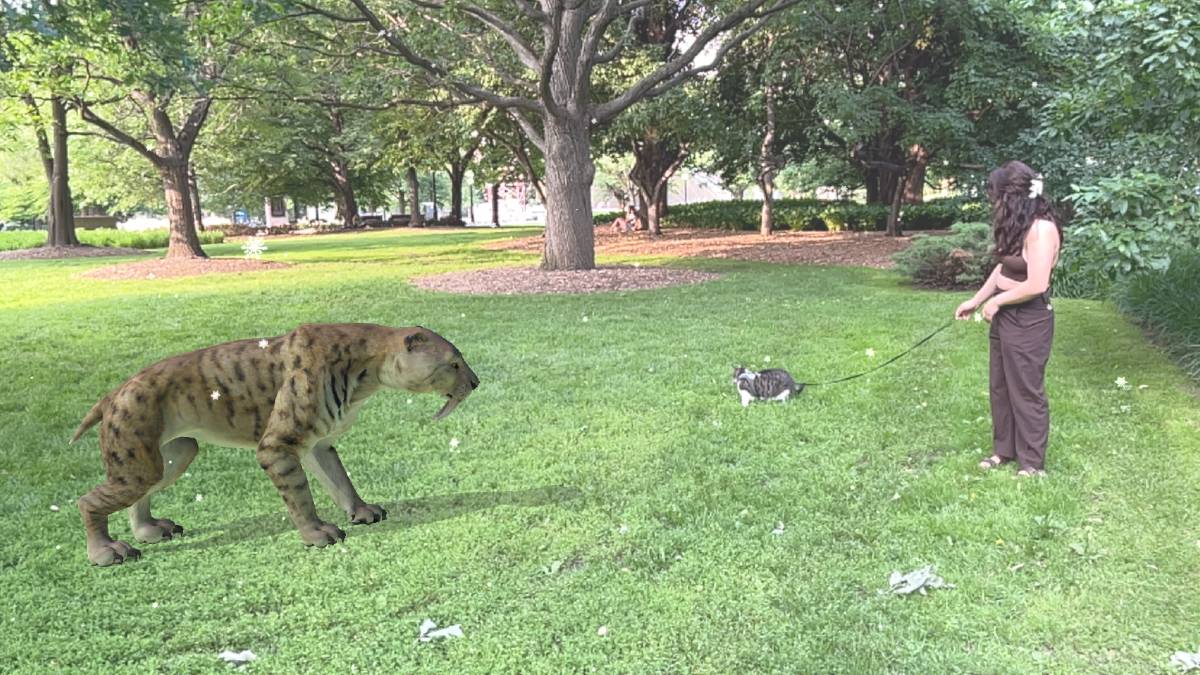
(532, 281)
(858, 249)
(162, 268)
(52, 252)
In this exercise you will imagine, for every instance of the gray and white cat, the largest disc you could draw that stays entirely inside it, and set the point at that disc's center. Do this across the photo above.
(766, 385)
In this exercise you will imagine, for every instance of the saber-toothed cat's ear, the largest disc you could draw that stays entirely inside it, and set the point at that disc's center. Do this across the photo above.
(415, 339)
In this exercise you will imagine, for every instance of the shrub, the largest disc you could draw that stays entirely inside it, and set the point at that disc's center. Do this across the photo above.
(18, 239)
(1168, 303)
(956, 260)
(606, 217)
(813, 214)
(139, 239)
(1125, 224)
(104, 237)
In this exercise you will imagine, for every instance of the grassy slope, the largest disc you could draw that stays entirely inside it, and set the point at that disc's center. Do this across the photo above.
(581, 427)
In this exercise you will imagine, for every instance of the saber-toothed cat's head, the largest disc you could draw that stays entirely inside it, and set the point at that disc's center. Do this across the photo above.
(421, 361)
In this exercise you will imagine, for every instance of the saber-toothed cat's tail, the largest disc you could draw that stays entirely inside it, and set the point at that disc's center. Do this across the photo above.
(92, 417)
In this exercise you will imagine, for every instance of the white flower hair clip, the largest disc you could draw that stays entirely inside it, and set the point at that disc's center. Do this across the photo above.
(1035, 187)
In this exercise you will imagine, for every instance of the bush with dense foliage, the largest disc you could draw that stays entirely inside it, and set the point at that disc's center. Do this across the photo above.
(1168, 303)
(104, 237)
(956, 260)
(1123, 225)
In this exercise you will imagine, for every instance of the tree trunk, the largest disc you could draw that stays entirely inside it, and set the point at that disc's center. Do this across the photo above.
(414, 196)
(47, 157)
(183, 242)
(343, 194)
(570, 235)
(495, 205)
(768, 163)
(914, 186)
(655, 161)
(882, 184)
(457, 175)
(400, 202)
(893, 220)
(194, 191)
(62, 229)
(62, 208)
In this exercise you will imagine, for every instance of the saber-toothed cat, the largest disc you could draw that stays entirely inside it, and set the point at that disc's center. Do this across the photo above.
(289, 397)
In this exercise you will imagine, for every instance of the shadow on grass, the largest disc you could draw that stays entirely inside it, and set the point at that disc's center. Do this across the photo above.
(401, 515)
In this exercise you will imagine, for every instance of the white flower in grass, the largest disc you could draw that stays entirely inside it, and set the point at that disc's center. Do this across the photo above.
(623, 530)
(870, 353)
(199, 497)
(602, 631)
(1121, 383)
(778, 529)
(54, 508)
(978, 317)
(216, 395)
(585, 319)
(454, 442)
(766, 359)
(254, 247)
(262, 344)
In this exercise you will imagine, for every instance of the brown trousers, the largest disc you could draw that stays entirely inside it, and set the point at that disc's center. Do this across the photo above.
(1020, 347)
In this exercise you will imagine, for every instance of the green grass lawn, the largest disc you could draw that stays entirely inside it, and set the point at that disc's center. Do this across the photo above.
(606, 475)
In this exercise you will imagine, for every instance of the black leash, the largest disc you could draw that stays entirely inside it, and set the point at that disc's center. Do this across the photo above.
(925, 339)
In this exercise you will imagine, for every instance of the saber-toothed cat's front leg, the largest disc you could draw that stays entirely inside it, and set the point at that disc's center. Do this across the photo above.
(287, 438)
(323, 462)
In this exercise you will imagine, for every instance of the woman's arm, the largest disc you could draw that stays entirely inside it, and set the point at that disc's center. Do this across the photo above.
(985, 292)
(1041, 248)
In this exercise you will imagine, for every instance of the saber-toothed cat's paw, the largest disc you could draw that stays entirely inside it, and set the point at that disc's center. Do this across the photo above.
(365, 514)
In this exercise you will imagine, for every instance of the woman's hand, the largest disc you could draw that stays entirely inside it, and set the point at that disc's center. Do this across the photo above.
(989, 310)
(964, 310)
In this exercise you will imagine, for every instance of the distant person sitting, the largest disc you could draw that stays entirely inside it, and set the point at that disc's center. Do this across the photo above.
(625, 222)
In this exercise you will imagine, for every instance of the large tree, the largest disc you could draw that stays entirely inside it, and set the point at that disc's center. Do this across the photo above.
(146, 74)
(901, 88)
(544, 76)
(34, 64)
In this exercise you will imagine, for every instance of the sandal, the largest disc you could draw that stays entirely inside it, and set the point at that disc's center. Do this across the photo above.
(993, 462)
(1027, 473)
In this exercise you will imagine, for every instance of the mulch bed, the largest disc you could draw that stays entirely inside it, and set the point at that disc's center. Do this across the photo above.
(532, 281)
(162, 268)
(858, 249)
(52, 252)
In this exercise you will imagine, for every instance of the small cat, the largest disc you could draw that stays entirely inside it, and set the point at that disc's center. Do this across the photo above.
(771, 384)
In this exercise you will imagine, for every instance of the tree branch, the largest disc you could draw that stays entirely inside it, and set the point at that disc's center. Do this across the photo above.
(403, 51)
(675, 71)
(116, 135)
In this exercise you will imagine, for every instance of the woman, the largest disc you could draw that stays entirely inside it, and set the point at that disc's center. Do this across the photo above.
(1016, 301)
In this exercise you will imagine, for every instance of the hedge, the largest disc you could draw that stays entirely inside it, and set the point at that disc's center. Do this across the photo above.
(103, 237)
(815, 214)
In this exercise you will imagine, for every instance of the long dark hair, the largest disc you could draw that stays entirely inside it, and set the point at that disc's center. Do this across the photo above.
(1013, 210)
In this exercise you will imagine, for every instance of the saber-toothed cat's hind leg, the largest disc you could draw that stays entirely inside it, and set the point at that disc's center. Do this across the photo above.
(324, 463)
(134, 465)
(176, 454)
